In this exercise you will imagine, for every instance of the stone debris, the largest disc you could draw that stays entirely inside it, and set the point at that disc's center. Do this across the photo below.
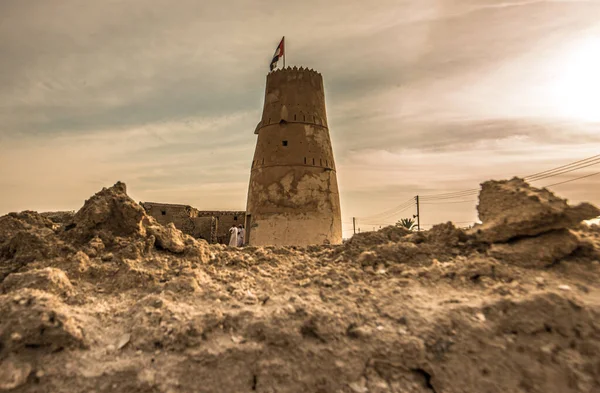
(48, 279)
(38, 319)
(123, 341)
(527, 226)
(168, 238)
(538, 251)
(107, 299)
(107, 214)
(13, 373)
(512, 209)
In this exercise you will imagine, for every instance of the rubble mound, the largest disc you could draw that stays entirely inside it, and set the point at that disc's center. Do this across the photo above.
(392, 233)
(12, 223)
(112, 301)
(49, 279)
(512, 208)
(109, 213)
(59, 217)
(528, 226)
(34, 319)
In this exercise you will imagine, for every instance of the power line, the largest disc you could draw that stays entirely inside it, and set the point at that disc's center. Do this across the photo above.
(389, 212)
(562, 166)
(451, 194)
(462, 195)
(446, 203)
(573, 166)
(577, 178)
(371, 220)
(435, 199)
(566, 170)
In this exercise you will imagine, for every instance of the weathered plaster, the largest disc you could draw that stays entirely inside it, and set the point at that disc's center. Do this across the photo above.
(293, 193)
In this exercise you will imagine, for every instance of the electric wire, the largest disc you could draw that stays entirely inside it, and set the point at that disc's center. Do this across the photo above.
(435, 199)
(577, 178)
(585, 160)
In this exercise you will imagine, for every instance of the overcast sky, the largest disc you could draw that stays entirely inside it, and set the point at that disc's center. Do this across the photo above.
(423, 97)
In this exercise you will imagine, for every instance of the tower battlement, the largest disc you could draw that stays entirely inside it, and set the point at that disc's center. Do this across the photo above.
(294, 95)
(301, 73)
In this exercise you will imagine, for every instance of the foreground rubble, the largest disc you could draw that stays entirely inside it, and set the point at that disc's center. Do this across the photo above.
(108, 300)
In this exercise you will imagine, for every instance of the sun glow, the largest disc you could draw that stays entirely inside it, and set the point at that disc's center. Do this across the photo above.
(577, 86)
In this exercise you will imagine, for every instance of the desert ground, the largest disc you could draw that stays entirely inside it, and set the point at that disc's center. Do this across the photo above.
(108, 300)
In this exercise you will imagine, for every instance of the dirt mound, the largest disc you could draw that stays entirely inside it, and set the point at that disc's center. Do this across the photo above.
(49, 279)
(529, 226)
(59, 217)
(107, 214)
(111, 301)
(13, 223)
(511, 208)
(390, 233)
(33, 319)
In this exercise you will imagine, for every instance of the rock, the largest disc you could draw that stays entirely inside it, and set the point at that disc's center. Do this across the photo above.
(167, 238)
(49, 279)
(79, 263)
(110, 212)
(363, 332)
(12, 223)
(124, 340)
(13, 373)
(27, 246)
(390, 233)
(564, 287)
(61, 217)
(359, 386)
(536, 251)
(95, 247)
(183, 284)
(512, 208)
(40, 319)
(367, 258)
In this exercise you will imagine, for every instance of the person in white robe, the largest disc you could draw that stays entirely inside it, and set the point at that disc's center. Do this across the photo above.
(233, 239)
(241, 235)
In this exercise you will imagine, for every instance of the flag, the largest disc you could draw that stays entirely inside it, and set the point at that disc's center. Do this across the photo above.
(279, 52)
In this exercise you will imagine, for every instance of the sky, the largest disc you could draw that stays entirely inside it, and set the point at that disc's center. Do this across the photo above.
(423, 97)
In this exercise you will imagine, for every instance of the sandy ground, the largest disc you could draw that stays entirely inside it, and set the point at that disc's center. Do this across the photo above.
(107, 300)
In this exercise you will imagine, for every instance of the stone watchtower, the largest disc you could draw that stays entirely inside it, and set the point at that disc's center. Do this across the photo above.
(293, 195)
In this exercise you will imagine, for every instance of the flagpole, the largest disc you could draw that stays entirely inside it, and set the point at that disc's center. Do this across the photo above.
(284, 51)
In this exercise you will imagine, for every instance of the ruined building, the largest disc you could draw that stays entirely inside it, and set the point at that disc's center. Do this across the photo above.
(293, 194)
(212, 226)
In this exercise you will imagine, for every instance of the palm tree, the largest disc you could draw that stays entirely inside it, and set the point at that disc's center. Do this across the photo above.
(407, 223)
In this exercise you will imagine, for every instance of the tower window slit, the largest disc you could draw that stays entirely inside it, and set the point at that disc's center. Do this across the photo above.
(313, 161)
(284, 143)
(305, 160)
(326, 163)
(294, 117)
(303, 117)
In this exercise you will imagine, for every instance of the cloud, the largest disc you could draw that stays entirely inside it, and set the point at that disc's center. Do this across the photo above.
(165, 96)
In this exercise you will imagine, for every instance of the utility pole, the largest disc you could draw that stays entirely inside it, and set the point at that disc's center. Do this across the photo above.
(418, 215)
(354, 224)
